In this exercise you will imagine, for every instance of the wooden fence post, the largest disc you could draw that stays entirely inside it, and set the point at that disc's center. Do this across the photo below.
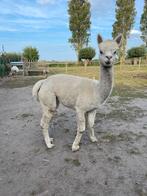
(139, 62)
(66, 67)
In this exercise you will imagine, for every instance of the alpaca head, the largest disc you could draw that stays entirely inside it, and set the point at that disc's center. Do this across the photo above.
(108, 50)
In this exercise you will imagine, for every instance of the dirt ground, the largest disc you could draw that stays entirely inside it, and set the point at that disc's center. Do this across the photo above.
(115, 166)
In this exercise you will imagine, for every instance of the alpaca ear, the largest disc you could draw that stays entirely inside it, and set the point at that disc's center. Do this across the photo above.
(99, 39)
(118, 40)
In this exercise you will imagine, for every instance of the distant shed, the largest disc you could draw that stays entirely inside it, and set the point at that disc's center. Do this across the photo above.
(17, 64)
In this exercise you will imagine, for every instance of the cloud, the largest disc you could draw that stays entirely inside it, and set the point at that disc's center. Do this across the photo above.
(30, 11)
(44, 2)
(31, 25)
(8, 29)
(30, 17)
(135, 32)
(21, 9)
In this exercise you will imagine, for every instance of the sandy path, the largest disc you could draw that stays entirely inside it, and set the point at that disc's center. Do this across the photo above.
(115, 166)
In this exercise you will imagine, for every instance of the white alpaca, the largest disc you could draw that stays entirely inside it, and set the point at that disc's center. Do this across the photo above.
(82, 94)
(14, 70)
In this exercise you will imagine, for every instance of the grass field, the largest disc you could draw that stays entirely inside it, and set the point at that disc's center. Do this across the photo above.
(126, 75)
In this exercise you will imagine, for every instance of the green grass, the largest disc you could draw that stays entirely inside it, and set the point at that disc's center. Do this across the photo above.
(126, 77)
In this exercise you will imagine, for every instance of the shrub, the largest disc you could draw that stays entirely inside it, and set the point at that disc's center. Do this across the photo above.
(87, 53)
(56, 65)
(2, 70)
(61, 64)
(4, 66)
(95, 62)
(136, 52)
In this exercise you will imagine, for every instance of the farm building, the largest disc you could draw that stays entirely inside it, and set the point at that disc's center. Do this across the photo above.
(19, 64)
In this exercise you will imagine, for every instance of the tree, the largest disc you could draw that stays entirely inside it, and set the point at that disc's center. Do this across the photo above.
(79, 23)
(11, 57)
(125, 14)
(31, 54)
(143, 23)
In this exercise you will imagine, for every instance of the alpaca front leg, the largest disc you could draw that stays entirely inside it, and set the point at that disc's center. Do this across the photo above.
(80, 129)
(90, 124)
(45, 125)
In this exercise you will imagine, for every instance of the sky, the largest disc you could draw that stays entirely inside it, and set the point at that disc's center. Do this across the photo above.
(44, 24)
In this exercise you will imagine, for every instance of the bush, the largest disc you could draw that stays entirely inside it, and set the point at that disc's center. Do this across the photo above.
(10, 57)
(95, 62)
(56, 65)
(87, 53)
(2, 71)
(4, 66)
(61, 65)
(136, 52)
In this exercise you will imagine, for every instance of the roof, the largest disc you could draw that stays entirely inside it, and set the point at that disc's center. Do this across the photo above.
(17, 63)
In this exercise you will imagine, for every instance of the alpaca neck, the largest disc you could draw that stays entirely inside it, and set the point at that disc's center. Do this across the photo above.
(106, 83)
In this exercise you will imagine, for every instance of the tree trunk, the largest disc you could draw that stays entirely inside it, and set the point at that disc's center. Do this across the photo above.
(86, 62)
(79, 47)
(146, 53)
(123, 51)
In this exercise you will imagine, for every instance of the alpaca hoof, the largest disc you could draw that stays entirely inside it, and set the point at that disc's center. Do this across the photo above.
(75, 148)
(93, 139)
(41, 124)
(51, 139)
(50, 145)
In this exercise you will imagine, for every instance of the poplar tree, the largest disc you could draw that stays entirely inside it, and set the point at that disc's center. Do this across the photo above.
(125, 16)
(143, 23)
(79, 23)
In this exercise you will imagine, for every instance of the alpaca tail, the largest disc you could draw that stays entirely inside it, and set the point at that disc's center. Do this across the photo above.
(36, 88)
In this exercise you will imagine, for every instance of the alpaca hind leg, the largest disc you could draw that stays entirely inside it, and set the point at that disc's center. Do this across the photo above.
(42, 120)
(90, 123)
(80, 129)
(46, 118)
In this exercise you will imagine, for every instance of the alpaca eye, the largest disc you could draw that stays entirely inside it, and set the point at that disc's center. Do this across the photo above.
(114, 52)
(101, 52)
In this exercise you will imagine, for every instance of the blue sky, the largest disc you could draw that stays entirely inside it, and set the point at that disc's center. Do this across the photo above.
(44, 24)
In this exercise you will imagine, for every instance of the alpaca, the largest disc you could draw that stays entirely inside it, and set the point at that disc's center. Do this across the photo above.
(82, 94)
